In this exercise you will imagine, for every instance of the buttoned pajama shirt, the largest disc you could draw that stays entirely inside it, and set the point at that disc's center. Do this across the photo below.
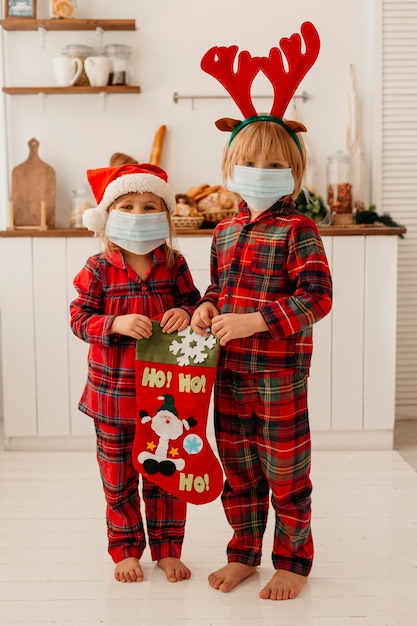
(275, 265)
(107, 287)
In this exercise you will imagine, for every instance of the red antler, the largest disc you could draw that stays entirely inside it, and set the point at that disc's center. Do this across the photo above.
(218, 62)
(285, 82)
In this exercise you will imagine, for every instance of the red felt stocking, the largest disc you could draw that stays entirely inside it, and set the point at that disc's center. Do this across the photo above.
(174, 379)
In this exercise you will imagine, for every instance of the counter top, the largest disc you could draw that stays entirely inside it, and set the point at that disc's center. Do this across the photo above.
(331, 231)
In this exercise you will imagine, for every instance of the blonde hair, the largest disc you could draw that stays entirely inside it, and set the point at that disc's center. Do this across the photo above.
(170, 251)
(265, 139)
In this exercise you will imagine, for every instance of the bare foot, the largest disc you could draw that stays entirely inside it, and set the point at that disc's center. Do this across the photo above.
(174, 569)
(283, 585)
(230, 576)
(128, 571)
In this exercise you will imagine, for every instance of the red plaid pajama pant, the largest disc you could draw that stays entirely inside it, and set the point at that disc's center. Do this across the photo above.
(263, 438)
(165, 514)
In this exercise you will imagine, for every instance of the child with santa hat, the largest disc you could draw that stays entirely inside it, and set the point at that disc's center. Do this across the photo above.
(136, 278)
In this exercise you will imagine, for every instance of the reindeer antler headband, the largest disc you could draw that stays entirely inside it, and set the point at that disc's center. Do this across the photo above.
(219, 61)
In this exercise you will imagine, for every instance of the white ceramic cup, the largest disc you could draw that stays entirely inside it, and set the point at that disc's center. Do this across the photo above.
(97, 70)
(67, 70)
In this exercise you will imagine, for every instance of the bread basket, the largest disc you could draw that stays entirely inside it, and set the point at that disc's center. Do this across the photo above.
(187, 223)
(214, 217)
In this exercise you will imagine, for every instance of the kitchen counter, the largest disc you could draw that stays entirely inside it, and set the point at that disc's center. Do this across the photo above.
(356, 229)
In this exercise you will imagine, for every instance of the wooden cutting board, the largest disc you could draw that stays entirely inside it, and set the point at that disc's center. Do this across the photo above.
(33, 182)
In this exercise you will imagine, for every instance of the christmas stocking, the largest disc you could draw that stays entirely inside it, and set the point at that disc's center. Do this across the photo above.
(174, 379)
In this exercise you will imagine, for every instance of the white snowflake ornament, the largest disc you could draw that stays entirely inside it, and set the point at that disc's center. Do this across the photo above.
(193, 348)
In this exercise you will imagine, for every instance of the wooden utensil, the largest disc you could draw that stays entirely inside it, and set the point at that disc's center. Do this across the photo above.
(33, 192)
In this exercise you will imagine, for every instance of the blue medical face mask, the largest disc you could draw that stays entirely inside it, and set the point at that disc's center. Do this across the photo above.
(139, 234)
(261, 188)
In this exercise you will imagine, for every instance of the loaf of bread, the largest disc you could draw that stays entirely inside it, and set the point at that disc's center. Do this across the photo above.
(221, 200)
(185, 207)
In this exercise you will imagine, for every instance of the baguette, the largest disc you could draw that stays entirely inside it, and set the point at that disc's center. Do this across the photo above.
(193, 191)
(158, 141)
(205, 192)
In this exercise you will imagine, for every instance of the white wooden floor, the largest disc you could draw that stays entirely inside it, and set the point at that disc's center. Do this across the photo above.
(54, 568)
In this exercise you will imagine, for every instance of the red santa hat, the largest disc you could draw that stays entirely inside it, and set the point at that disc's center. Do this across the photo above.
(109, 183)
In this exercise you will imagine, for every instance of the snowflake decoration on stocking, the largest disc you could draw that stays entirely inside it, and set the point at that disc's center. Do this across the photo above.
(192, 348)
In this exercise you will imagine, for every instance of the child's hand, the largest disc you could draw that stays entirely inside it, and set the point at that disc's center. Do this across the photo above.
(132, 325)
(203, 315)
(174, 319)
(237, 325)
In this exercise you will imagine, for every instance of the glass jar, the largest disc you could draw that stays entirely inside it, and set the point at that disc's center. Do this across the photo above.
(119, 57)
(81, 52)
(81, 199)
(339, 183)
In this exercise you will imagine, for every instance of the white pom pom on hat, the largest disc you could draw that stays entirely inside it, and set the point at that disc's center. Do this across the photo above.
(95, 219)
(109, 183)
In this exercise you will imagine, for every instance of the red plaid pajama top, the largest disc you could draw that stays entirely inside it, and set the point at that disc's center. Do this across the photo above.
(275, 265)
(108, 287)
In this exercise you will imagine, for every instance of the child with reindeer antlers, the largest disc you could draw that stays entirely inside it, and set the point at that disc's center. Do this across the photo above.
(270, 282)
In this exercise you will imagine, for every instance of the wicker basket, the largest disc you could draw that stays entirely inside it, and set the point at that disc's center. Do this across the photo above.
(185, 223)
(214, 217)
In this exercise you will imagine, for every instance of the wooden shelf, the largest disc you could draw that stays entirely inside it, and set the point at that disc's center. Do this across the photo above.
(25, 23)
(78, 89)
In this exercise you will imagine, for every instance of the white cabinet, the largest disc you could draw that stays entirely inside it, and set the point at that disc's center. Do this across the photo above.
(43, 363)
(352, 382)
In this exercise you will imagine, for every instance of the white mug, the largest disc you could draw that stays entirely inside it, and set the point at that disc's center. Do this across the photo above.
(97, 70)
(67, 70)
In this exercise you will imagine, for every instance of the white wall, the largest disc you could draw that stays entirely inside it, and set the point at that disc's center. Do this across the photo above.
(171, 37)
